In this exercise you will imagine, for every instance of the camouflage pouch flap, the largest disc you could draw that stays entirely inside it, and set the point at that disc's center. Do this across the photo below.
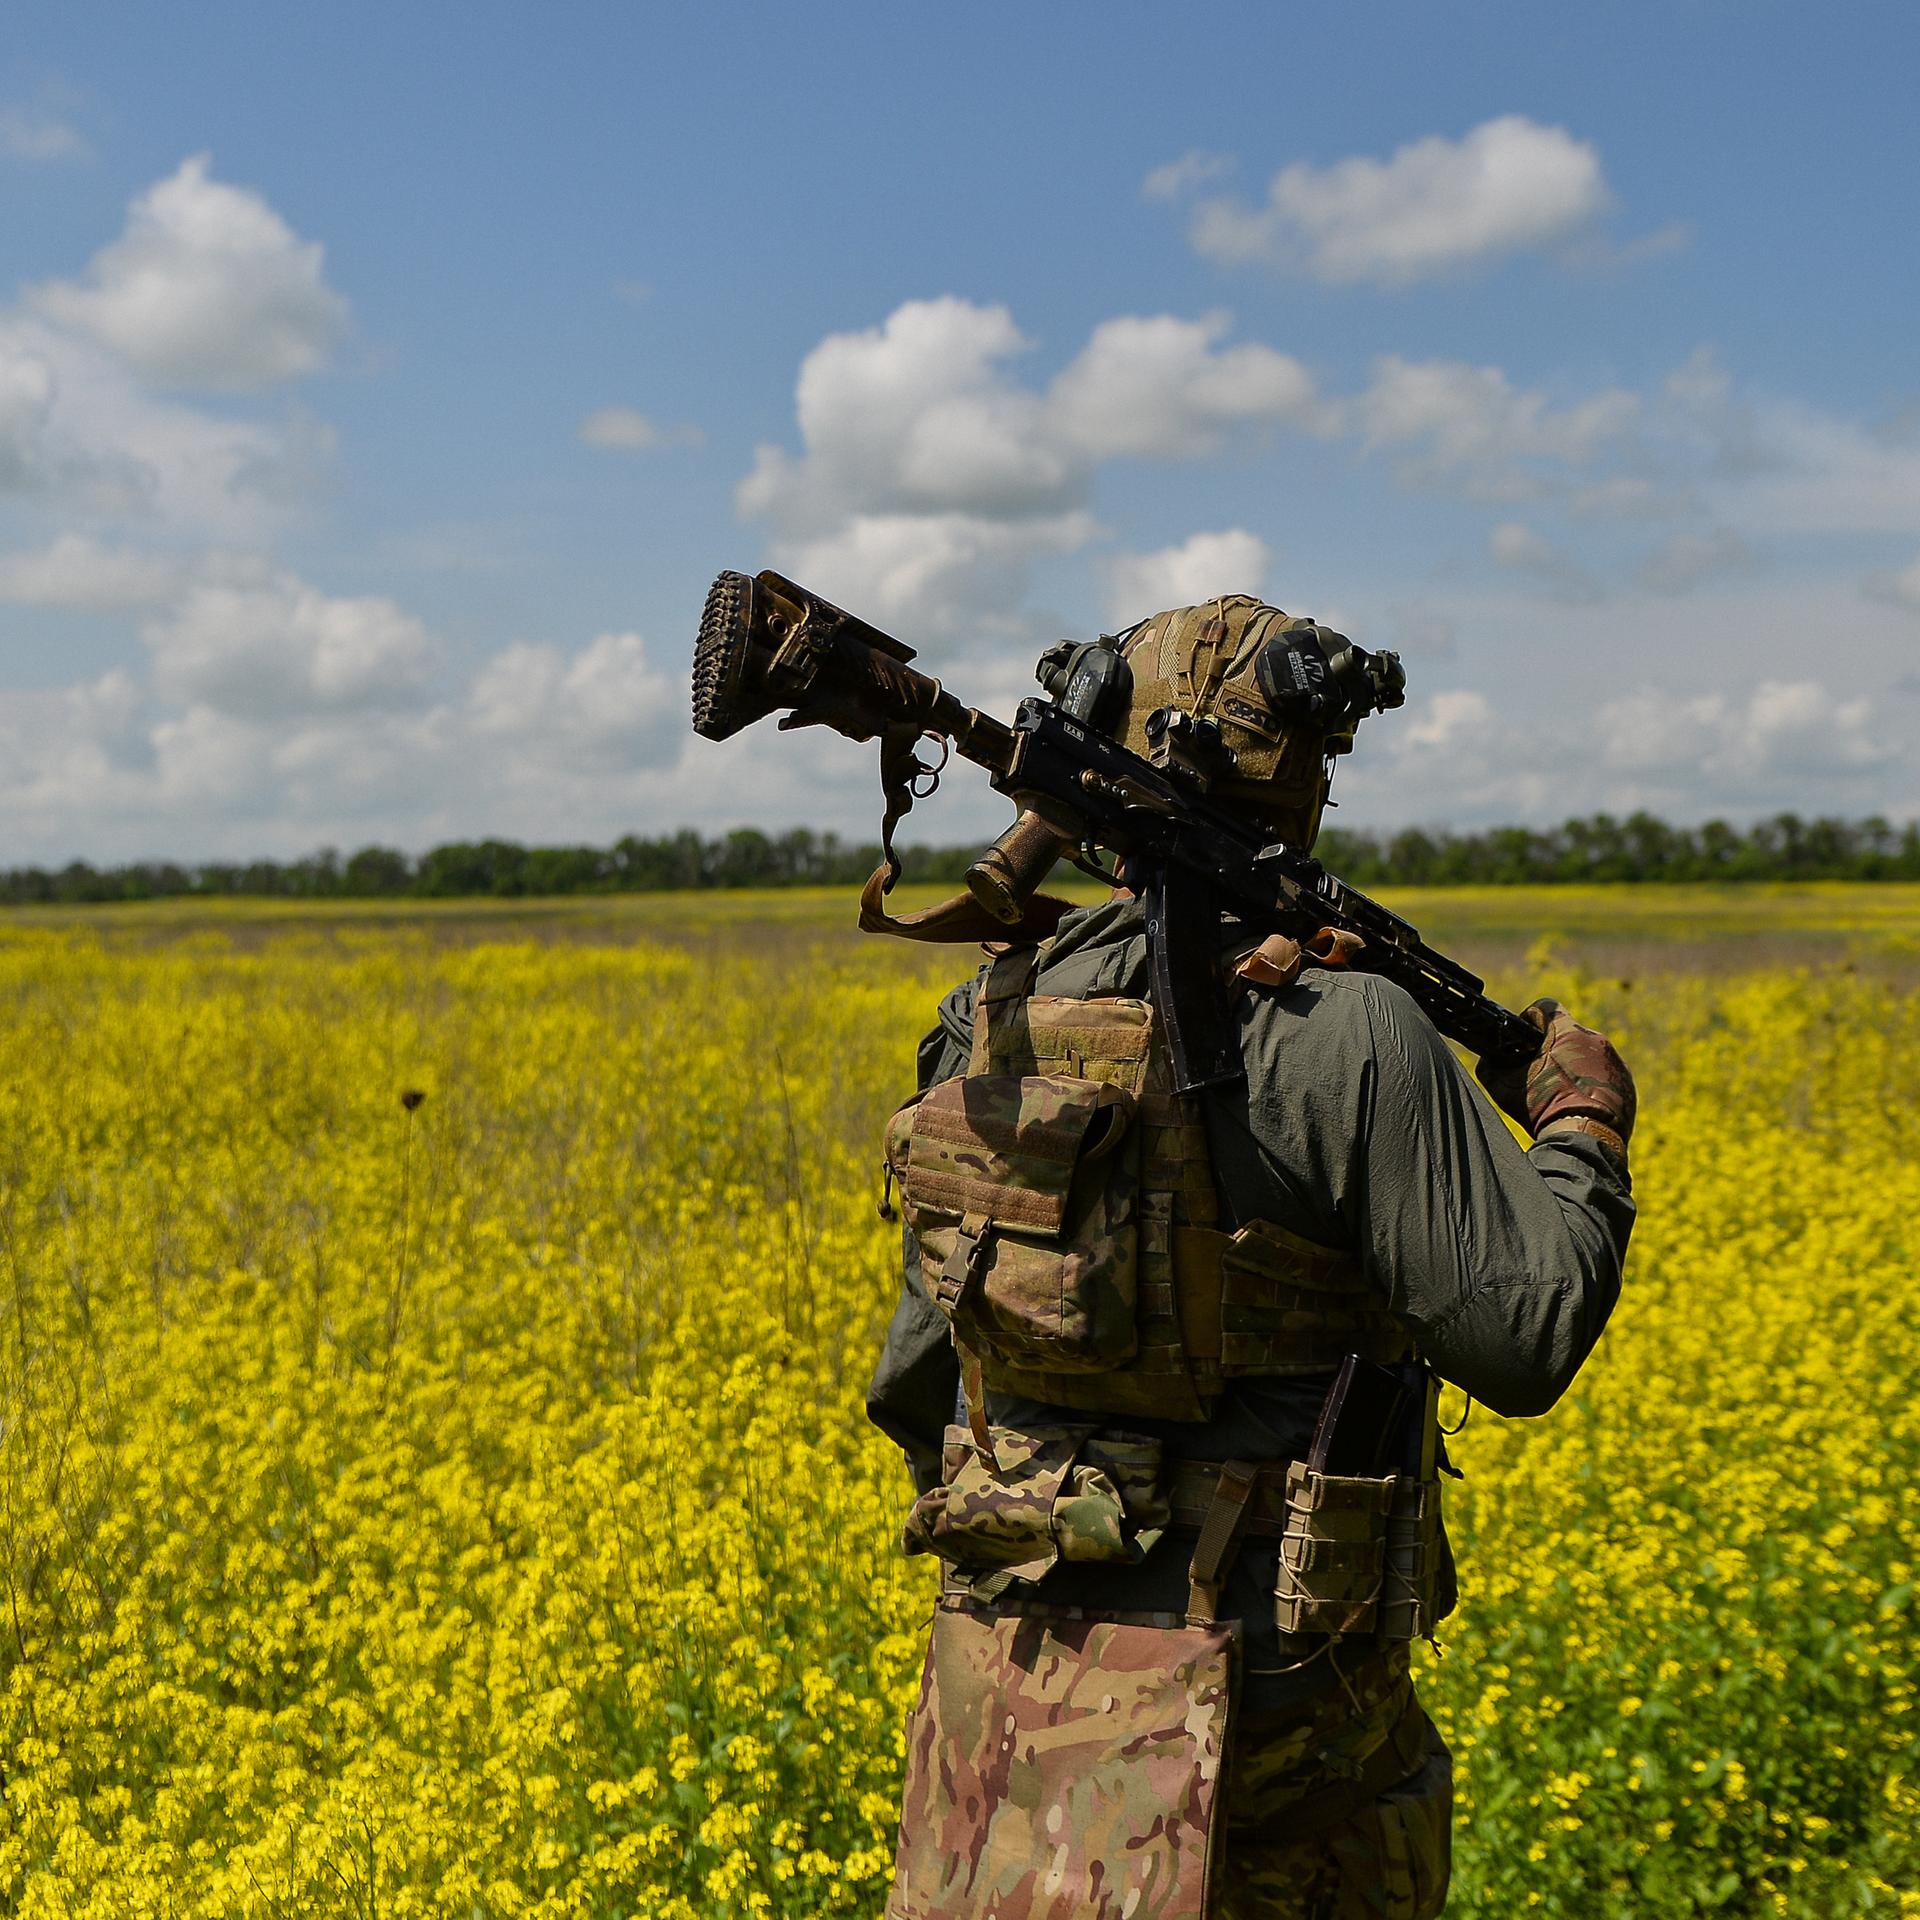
(1022, 1192)
(1041, 1494)
(1115, 1505)
(995, 1509)
(1063, 1769)
(1007, 1146)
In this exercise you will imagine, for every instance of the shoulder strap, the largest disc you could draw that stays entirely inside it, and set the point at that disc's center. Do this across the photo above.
(1008, 982)
(1219, 1542)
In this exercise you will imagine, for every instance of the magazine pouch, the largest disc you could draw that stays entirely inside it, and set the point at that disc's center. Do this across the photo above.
(1061, 1768)
(1358, 1555)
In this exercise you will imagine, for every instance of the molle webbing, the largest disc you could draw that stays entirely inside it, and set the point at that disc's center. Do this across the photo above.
(1113, 1040)
(1210, 1304)
(1089, 1039)
(1288, 1305)
(1191, 1487)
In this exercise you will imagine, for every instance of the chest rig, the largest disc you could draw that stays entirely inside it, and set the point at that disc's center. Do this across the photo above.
(1070, 1225)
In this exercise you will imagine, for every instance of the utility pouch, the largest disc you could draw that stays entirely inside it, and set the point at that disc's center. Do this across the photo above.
(1023, 1192)
(1041, 1494)
(1358, 1555)
(1060, 1768)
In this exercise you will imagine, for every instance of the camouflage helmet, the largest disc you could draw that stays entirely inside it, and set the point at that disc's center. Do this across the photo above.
(1269, 700)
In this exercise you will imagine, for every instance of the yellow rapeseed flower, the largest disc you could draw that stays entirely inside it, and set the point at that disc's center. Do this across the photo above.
(464, 1507)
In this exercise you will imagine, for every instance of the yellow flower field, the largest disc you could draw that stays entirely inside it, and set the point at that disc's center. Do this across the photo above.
(461, 1505)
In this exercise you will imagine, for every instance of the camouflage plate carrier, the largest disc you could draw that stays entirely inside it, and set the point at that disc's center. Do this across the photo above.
(1069, 1226)
(1064, 1201)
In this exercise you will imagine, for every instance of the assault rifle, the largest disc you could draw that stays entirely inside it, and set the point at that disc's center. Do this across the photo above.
(766, 645)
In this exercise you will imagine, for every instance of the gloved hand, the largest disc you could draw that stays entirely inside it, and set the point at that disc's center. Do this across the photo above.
(1576, 1076)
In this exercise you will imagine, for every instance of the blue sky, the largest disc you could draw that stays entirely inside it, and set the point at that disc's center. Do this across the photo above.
(380, 389)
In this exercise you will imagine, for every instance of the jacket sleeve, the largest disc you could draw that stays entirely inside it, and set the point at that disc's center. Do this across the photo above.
(916, 1384)
(1505, 1263)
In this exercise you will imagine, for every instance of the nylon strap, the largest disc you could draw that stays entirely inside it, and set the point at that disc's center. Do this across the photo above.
(899, 767)
(958, 919)
(1199, 1280)
(1219, 1541)
(1008, 980)
(973, 1396)
(1011, 976)
(1191, 1485)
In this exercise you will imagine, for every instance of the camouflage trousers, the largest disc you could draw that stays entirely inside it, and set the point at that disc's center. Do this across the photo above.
(1296, 1848)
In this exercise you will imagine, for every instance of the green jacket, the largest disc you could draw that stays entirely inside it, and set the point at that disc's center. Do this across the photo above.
(1356, 1127)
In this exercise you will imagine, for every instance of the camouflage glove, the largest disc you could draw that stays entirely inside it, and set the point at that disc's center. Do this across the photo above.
(1576, 1083)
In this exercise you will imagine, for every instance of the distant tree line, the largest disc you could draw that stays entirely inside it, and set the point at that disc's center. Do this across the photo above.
(1601, 848)
(1639, 847)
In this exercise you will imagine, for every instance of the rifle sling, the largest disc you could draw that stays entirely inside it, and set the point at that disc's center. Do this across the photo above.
(960, 919)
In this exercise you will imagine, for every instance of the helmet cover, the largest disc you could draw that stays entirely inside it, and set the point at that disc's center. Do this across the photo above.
(1251, 669)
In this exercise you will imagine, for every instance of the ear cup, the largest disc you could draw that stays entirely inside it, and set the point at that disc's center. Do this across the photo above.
(1291, 672)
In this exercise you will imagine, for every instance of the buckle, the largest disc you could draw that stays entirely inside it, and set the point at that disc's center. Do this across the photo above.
(972, 1250)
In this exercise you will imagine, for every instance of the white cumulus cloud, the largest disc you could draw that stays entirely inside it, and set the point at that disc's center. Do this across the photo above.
(1436, 206)
(1448, 721)
(1455, 757)
(914, 415)
(1457, 424)
(276, 649)
(1156, 387)
(921, 414)
(628, 430)
(603, 707)
(26, 406)
(86, 576)
(1180, 177)
(1519, 549)
(207, 287)
(1770, 748)
(278, 719)
(947, 574)
(931, 477)
(84, 434)
(1201, 567)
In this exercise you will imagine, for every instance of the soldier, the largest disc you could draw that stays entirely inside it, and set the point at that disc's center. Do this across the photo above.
(1137, 1302)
